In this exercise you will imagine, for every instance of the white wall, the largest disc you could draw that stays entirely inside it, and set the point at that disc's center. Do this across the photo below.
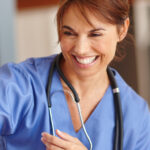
(36, 33)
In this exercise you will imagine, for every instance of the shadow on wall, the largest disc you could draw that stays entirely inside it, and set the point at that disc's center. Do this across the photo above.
(7, 46)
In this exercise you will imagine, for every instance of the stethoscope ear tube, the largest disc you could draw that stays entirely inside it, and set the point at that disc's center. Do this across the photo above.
(49, 83)
(64, 78)
(119, 120)
(118, 141)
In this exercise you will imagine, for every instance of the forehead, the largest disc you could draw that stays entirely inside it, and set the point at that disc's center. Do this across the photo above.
(74, 17)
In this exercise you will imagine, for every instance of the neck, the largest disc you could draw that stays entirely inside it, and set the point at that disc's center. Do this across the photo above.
(88, 86)
(95, 84)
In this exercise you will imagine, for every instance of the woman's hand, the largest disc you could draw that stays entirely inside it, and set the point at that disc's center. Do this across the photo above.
(65, 142)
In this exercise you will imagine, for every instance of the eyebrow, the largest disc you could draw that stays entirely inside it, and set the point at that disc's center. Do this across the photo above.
(67, 27)
(93, 30)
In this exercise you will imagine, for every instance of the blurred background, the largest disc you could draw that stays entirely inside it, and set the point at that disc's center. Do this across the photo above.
(28, 29)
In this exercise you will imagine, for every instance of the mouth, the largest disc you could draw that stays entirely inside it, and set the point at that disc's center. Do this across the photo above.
(85, 60)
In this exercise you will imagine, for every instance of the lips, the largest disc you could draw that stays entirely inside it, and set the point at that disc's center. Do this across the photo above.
(85, 60)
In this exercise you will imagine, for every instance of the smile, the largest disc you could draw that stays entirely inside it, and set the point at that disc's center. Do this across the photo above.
(85, 61)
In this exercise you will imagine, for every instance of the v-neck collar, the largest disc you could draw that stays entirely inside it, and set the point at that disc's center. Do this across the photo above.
(61, 114)
(99, 108)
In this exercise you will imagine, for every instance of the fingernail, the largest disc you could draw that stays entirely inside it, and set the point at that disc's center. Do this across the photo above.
(42, 134)
(58, 131)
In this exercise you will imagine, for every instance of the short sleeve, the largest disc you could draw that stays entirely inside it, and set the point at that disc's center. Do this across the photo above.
(15, 97)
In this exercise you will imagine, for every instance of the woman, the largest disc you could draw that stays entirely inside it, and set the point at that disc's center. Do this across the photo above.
(89, 32)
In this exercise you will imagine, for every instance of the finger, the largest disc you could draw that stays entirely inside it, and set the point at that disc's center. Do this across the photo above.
(67, 137)
(55, 141)
(49, 146)
(53, 147)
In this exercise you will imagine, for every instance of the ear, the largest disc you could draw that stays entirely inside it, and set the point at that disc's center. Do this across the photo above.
(124, 29)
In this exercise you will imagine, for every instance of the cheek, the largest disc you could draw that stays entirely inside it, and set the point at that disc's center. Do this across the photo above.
(66, 45)
(108, 45)
(106, 48)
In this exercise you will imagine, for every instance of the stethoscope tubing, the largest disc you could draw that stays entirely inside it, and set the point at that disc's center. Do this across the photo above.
(118, 140)
(65, 79)
(49, 83)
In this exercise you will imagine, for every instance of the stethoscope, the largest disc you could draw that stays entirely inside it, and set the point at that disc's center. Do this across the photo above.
(118, 140)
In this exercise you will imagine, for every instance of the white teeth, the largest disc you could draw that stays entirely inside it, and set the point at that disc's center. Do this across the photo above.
(85, 61)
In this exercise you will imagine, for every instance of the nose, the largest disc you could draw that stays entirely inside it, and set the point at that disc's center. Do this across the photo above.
(82, 46)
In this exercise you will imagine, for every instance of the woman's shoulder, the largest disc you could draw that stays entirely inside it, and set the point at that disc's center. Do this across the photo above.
(126, 91)
(133, 105)
(136, 116)
(37, 63)
(27, 66)
(31, 71)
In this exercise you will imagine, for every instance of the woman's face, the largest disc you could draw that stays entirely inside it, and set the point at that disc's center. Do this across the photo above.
(87, 49)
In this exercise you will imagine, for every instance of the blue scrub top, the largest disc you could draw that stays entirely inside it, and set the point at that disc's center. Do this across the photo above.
(24, 112)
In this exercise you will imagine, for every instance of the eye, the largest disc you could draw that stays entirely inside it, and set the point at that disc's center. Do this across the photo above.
(95, 34)
(68, 33)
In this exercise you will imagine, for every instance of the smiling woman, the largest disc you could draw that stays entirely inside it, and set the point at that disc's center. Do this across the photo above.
(90, 49)
(74, 99)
